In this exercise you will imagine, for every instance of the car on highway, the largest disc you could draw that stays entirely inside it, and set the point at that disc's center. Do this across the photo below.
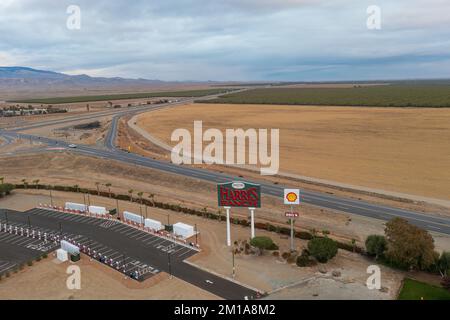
(73, 146)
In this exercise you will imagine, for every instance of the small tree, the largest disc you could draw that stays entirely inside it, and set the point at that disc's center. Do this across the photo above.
(376, 245)
(36, 182)
(151, 196)
(108, 185)
(2, 179)
(409, 246)
(443, 264)
(131, 194)
(97, 184)
(323, 249)
(140, 194)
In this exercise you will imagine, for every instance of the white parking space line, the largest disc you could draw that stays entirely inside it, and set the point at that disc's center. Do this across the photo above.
(164, 243)
(138, 235)
(115, 255)
(7, 237)
(154, 240)
(180, 248)
(135, 232)
(126, 230)
(142, 237)
(107, 252)
(182, 254)
(118, 227)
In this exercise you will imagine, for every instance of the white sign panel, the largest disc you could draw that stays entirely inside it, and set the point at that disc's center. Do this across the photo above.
(291, 196)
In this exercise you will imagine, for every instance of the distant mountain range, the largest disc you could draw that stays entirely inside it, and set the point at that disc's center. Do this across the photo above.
(25, 75)
(18, 82)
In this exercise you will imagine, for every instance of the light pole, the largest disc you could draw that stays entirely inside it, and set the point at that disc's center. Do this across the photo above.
(51, 197)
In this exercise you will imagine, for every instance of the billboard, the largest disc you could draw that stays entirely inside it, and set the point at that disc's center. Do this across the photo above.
(239, 194)
(291, 196)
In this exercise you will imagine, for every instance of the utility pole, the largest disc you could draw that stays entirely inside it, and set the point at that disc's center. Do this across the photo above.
(51, 197)
(117, 206)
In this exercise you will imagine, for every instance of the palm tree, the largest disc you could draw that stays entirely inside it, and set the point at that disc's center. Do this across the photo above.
(108, 185)
(140, 194)
(25, 183)
(36, 182)
(151, 196)
(131, 194)
(77, 187)
(205, 211)
(98, 188)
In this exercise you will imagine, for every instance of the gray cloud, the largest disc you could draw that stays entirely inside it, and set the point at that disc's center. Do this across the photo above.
(229, 39)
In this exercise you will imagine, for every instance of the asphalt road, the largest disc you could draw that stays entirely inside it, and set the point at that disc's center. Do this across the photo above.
(133, 243)
(357, 207)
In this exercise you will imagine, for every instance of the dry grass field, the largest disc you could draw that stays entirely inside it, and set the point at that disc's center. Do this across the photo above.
(396, 149)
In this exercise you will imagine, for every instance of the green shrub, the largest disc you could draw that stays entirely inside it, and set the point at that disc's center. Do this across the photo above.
(30, 263)
(323, 249)
(304, 260)
(263, 243)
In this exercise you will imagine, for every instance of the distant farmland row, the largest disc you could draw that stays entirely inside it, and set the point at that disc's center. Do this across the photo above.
(126, 96)
(377, 96)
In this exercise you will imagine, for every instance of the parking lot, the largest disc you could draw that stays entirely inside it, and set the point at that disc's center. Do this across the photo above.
(30, 235)
(17, 249)
(134, 252)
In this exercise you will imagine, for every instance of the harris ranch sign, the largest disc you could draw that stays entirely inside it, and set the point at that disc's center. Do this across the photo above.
(239, 194)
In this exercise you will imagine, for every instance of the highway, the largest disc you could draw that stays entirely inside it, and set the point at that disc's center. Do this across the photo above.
(357, 207)
(430, 222)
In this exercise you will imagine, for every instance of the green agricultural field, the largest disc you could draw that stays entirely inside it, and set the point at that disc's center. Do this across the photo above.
(415, 290)
(376, 96)
(125, 96)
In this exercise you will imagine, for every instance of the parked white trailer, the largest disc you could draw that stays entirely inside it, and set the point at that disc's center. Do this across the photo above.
(70, 248)
(183, 230)
(130, 216)
(97, 210)
(75, 206)
(153, 224)
(62, 255)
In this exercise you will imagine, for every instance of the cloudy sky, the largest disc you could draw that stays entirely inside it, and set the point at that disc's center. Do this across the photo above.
(230, 39)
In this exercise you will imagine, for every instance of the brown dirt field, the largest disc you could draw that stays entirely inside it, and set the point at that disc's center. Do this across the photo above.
(395, 149)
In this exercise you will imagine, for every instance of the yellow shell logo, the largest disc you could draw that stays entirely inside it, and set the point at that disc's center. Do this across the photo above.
(291, 197)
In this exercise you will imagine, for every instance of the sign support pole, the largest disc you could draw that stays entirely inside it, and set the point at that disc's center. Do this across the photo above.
(252, 222)
(228, 227)
(292, 229)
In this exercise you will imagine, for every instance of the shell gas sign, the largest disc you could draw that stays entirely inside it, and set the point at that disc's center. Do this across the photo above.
(239, 194)
(291, 196)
